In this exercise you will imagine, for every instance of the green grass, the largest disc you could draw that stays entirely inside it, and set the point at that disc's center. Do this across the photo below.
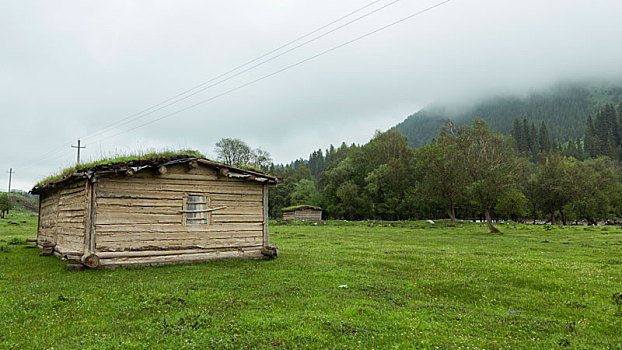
(300, 206)
(119, 159)
(409, 285)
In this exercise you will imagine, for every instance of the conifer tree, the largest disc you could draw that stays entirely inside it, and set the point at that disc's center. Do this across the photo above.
(533, 142)
(517, 134)
(544, 139)
(526, 136)
(580, 151)
(571, 149)
(590, 143)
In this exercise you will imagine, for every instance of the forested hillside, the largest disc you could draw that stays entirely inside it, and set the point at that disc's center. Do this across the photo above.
(468, 171)
(563, 108)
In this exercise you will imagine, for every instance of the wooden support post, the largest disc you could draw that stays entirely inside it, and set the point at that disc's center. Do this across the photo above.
(266, 233)
(87, 217)
(93, 215)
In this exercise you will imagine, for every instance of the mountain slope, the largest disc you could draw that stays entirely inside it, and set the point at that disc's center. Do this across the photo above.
(564, 108)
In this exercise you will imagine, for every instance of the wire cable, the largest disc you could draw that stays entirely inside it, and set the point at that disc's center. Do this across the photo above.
(283, 69)
(137, 115)
(189, 93)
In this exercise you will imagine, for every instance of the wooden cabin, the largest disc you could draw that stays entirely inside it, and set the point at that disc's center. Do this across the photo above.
(302, 213)
(155, 212)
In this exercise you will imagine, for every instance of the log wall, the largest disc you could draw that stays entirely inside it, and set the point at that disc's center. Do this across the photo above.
(289, 215)
(303, 215)
(47, 218)
(138, 218)
(61, 218)
(308, 215)
(71, 218)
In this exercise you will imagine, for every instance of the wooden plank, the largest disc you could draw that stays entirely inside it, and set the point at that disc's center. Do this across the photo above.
(177, 180)
(213, 187)
(219, 218)
(71, 213)
(181, 259)
(124, 202)
(154, 195)
(236, 203)
(67, 191)
(105, 218)
(179, 244)
(176, 235)
(236, 198)
(266, 234)
(120, 210)
(71, 219)
(152, 227)
(136, 181)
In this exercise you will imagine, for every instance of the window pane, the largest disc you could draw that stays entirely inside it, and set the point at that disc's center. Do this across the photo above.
(196, 205)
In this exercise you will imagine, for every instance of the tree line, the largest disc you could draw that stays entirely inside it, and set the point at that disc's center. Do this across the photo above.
(468, 171)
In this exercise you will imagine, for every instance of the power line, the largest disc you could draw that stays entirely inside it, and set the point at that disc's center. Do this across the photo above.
(283, 69)
(188, 93)
(150, 109)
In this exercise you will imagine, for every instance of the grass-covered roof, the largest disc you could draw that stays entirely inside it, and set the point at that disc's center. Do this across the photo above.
(111, 163)
(302, 206)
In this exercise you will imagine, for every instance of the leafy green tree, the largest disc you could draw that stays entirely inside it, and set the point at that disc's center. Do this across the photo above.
(531, 192)
(353, 204)
(490, 163)
(305, 192)
(552, 183)
(591, 184)
(5, 204)
(386, 187)
(512, 204)
(441, 178)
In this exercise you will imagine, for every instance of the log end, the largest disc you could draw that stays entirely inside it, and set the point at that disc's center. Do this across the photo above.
(47, 251)
(270, 251)
(90, 260)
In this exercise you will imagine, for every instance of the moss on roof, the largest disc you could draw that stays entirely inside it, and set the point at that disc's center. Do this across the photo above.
(294, 207)
(127, 159)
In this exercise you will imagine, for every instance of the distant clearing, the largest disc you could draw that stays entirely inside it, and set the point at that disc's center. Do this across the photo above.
(409, 285)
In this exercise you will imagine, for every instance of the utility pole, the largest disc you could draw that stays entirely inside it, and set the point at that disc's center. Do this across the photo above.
(8, 194)
(78, 147)
(11, 172)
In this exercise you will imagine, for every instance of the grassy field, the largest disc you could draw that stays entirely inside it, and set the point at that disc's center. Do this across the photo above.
(409, 285)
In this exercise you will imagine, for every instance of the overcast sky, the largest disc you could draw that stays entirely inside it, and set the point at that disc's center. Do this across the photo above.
(69, 69)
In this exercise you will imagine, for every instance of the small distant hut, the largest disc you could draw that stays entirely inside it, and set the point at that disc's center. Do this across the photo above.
(302, 213)
(152, 212)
